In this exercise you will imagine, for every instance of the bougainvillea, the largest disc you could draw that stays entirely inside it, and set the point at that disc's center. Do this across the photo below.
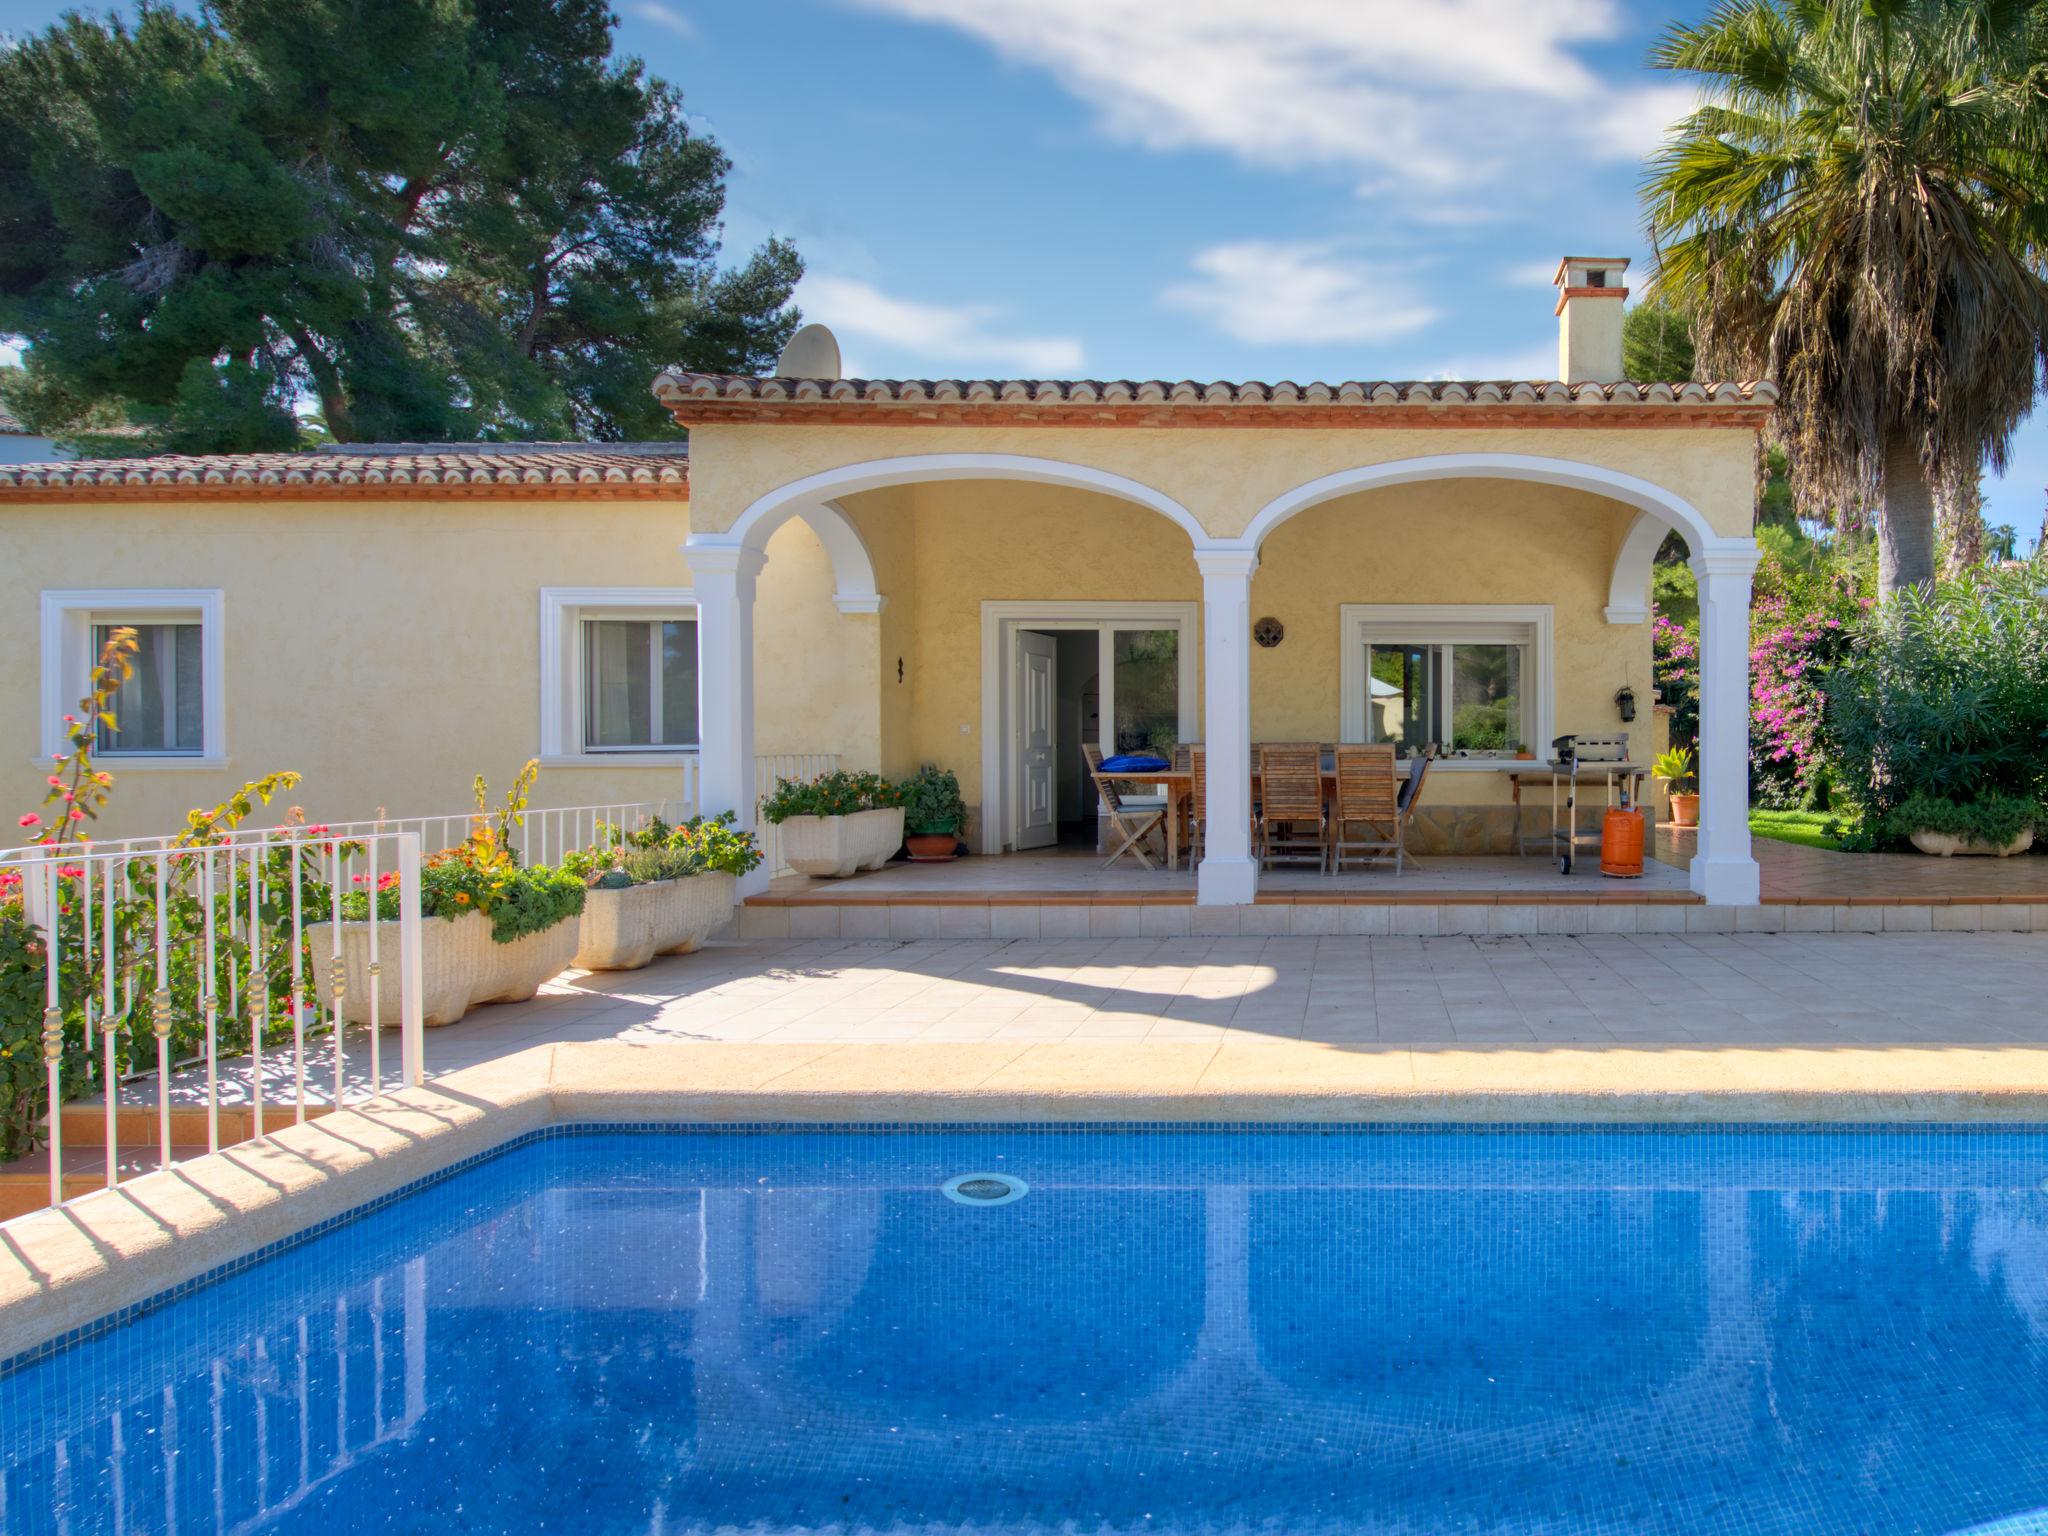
(1790, 655)
(1676, 656)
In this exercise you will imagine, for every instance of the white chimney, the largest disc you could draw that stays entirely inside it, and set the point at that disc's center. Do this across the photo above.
(1589, 301)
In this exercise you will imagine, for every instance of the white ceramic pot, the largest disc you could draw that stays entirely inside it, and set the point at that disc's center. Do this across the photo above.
(461, 965)
(1943, 845)
(878, 834)
(819, 846)
(624, 929)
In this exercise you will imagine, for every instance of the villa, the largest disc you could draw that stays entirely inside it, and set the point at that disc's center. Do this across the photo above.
(882, 573)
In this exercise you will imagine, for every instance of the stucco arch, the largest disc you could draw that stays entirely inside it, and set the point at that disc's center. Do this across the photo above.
(767, 512)
(1669, 508)
(1628, 592)
(853, 568)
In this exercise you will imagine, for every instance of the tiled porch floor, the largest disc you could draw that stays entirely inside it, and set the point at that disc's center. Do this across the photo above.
(1077, 874)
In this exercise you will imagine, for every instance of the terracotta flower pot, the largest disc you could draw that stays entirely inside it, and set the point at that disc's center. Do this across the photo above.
(623, 929)
(932, 847)
(461, 965)
(1685, 810)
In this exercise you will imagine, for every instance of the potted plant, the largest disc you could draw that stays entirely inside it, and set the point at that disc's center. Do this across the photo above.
(1992, 825)
(932, 813)
(838, 823)
(659, 890)
(494, 930)
(1672, 768)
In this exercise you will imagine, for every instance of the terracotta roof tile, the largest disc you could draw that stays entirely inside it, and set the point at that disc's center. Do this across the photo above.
(376, 469)
(679, 388)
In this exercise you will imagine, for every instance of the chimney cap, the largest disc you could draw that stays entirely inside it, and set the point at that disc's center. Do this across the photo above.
(1565, 264)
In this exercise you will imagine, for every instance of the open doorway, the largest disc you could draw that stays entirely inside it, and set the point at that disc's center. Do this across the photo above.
(1060, 677)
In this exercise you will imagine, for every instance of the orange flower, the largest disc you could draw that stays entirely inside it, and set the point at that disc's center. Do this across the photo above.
(462, 898)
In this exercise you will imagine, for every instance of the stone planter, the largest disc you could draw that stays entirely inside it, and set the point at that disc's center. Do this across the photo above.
(832, 847)
(624, 929)
(460, 966)
(1945, 845)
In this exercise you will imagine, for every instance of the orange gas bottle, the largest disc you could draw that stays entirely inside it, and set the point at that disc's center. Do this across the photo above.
(1621, 844)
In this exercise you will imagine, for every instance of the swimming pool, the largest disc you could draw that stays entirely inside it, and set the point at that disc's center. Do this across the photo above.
(1168, 1330)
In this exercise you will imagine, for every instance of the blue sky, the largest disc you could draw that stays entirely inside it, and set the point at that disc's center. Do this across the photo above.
(1183, 188)
(1189, 188)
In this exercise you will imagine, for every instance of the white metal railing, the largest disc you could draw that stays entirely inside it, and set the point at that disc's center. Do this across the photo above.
(543, 835)
(209, 950)
(769, 769)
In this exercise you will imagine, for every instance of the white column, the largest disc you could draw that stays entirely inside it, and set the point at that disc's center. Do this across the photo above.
(1228, 877)
(724, 576)
(1723, 870)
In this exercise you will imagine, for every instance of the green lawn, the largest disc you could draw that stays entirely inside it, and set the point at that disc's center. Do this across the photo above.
(1807, 828)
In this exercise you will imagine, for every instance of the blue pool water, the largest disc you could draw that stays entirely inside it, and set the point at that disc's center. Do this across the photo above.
(1172, 1331)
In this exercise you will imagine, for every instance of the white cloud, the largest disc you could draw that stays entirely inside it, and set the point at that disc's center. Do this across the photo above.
(665, 16)
(1267, 292)
(1440, 98)
(934, 334)
(1540, 273)
(1535, 362)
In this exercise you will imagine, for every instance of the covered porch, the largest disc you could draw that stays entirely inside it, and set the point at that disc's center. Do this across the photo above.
(1431, 584)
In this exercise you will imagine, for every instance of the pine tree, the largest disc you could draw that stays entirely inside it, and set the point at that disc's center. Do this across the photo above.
(431, 219)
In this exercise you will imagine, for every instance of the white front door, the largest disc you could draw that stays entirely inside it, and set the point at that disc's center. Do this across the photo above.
(1037, 741)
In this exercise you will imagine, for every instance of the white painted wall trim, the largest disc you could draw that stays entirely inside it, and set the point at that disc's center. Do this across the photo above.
(1635, 491)
(1000, 622)
(67, 659)
(853, 568)
(770, 511)
(1355, 618)
(561, 666)
(1628, 591)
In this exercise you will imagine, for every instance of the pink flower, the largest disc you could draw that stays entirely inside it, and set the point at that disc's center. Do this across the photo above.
(30, 820)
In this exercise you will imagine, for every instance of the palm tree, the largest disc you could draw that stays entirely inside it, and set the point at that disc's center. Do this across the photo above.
(1857, 210)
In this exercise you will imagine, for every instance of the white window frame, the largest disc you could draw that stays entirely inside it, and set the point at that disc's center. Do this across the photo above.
(562, 670)
(1000, 624)
(68, 618)
(1363, 624)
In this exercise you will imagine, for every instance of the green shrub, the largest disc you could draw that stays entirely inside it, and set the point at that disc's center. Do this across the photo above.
(644, 866)
(1994, 818)
(839, 793)
(931, 800)
(661, 851)
(1943, 696)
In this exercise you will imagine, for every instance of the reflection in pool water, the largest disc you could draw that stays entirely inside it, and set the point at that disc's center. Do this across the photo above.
(1176, 1331)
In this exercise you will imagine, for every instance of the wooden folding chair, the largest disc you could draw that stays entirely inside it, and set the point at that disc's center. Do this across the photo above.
(1130, 824)
(1291, 799)
(1410, 797)
(1198, 801)
(1368, 800)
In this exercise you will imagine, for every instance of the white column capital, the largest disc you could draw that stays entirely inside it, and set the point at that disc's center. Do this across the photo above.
(1726, 557)
(1226, 562)
(722, 559)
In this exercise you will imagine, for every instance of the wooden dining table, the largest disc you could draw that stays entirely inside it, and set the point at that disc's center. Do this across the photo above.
(1179, 784)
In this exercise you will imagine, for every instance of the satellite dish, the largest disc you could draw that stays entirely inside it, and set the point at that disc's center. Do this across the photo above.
(812, 353)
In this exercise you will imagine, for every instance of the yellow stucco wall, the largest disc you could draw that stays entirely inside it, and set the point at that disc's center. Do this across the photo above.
(389, 650)
(942, 549)
(1223, 475)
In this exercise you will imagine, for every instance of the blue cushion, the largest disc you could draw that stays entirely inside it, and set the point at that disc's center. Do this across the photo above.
(1134, 762)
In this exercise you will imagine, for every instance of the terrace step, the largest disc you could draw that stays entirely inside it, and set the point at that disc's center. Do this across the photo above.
(25, 1182)
(135, 1124)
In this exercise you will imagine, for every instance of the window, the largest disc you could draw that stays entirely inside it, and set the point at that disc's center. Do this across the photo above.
(161, 708)
(640, 684)
(1472, 681)
(618, 674)
(1480, 711)
(170, 712)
